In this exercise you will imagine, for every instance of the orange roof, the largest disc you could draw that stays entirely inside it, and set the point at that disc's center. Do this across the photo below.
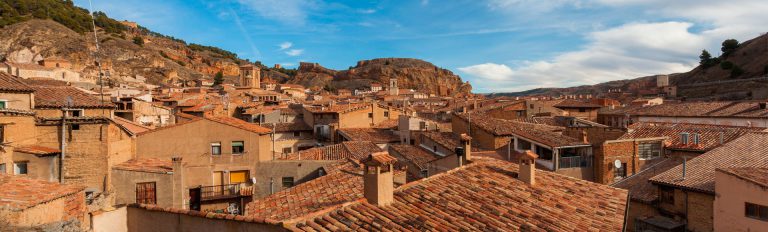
(37, 150)
(21, 193)
(240, 124)
(131, 126)
(354, 150)
(152, 165)
(369, 134)
(12, 83)
(483, 195)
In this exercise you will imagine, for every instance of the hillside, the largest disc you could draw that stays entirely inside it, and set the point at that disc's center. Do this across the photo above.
(410, 73)
(706, 83)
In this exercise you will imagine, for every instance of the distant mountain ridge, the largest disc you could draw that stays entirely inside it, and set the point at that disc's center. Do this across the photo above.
(705, 83)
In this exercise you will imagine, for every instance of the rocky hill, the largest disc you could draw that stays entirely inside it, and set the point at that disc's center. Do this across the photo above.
(410, 73)
(734, 76)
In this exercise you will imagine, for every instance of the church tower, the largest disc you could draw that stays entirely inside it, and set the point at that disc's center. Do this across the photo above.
(250, 76)
(393, 89)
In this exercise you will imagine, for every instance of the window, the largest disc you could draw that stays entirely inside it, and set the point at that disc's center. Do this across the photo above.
(386, 114)
(667, 195)
(370, 115)
(3, 104)
(297, 134)
(424, 173)
(582, 110)
(422, 125)
(620, 172)
(2, 133)
(76, 113)
(238, 147)
(146, 193)
(216, 148)
(74, 127)
(20, 168)
(2, 168)
(287, 150)
(684, 138)
(236, 177)
(695, 138)
(755, 211)
(287, 182)
(649, 150)
(531, 106)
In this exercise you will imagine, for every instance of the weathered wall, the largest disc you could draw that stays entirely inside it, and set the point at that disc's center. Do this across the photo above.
(125, 186)
(272, 172)
(732, 193)
(71, 207)
(141, 220)
(110, 221)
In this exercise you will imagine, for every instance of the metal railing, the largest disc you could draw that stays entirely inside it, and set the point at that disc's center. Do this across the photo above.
(225, 191)
(575, 162)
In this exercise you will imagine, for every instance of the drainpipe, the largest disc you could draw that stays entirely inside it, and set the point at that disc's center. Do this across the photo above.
(63, 144)
(271, 185)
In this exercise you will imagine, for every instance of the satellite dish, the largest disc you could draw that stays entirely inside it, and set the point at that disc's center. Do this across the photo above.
(617, 163)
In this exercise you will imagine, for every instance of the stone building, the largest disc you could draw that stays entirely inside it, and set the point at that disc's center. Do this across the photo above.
(37, 205)
(250, 77)
(222, 154)
(579, 109)
(326, 120)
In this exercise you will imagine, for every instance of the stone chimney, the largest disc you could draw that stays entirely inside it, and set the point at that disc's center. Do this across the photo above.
(527, 171)
(464, 154)
(378, 180)
(179, 188)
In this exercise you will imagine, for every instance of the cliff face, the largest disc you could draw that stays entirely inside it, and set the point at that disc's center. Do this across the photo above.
(160, 60)
(410, 73)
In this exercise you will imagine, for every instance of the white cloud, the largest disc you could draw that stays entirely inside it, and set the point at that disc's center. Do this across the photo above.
(367, 11)
(286, 11)
(424, 2)
(630, 50)
(294, 52)
(285, 45)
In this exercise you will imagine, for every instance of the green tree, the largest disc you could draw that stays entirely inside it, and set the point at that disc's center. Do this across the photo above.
(726, 65)
(705, 59)
(729, 46)
(138, 40)
(218, 79)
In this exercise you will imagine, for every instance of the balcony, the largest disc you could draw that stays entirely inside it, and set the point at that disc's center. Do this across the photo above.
(575, 162)
(227, 191)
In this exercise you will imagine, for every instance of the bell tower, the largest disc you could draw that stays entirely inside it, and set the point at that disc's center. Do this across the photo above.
(250, 76)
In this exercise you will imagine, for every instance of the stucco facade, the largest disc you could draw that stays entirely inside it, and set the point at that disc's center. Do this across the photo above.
(732, 194)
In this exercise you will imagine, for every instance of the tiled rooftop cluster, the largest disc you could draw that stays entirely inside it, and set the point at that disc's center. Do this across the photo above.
(354, 150)
(710, 136)
(547, 135)
(19, 193)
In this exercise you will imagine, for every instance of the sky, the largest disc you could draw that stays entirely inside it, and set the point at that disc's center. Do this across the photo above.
(496, 45)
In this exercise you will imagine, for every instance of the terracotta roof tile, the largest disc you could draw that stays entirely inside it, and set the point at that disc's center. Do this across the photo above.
(210, 215)
(152, 165)
(19, 193)
(704, 109)
(746, 151)
(37, 150)
(338, 108)
(369, 134)
(131, 126)
(709, 135)
(482, 196)
(56, 97)
(352, 150)
(298, 125)
(14, 84)
(414, 154)
(570, 103)
(240, 124)
(639, 186)
(544, 134)
(379, 159)
(757, 175)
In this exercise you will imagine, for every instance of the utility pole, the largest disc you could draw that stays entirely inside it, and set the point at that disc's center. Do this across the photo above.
(273, 141)
(63, 144)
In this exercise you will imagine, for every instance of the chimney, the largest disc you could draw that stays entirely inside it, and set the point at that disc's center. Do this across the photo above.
(527, 171)
(378, 178)
(584, 137)
(179, 188)
(464, 153)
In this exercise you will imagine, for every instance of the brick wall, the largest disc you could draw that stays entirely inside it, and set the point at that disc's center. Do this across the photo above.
(605, 155)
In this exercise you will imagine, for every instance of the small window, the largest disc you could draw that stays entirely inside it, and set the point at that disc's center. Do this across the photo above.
(370, 115)
(238, 147)
(2, 168)
(434, 148)
(216, 148)
(386, 114)
(146, 193)
(582, 110)
(297, 134)
(20, 168)
(287, 150)
(76, 113)
(531, 106)
(620, 172)
(684, 138)
(287, 182)
(667, 195)
(424, 173)
(74, 126)
(422, 125)
(755, 211)
(3, 104)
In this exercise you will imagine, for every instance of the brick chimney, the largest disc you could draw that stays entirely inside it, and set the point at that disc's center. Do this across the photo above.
(179, 188)
(378, 178)
(527, 171)
(466, 149)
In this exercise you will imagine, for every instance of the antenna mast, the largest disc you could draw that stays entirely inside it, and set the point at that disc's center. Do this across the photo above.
(96, 56)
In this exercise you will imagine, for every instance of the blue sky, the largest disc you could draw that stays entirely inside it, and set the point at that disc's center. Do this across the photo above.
(497, 45)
